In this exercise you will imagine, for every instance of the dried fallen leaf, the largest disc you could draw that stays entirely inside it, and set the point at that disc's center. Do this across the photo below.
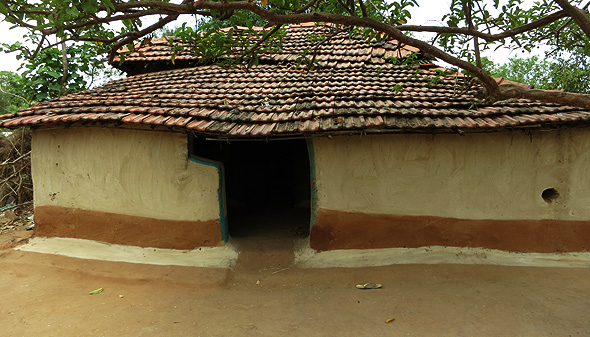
(369, 286)
(389, 320)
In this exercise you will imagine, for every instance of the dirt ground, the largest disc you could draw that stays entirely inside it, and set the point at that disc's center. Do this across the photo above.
(16, 226)
(264, 295)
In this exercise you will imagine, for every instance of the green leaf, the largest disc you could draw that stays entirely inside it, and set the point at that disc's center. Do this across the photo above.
(54, 74)
(72, 12)
(89, 6)
(397, 88)
(108, 4)
(54, 86)
(97, 291)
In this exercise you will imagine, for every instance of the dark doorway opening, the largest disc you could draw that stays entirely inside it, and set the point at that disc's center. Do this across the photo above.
(267, 185)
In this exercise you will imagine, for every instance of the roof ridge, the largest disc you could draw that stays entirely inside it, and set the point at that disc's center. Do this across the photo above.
(155, 54)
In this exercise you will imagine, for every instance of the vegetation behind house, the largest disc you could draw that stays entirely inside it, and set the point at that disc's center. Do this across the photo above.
(16, 185)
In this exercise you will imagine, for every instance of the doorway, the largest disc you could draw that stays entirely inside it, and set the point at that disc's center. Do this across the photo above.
(267, 185)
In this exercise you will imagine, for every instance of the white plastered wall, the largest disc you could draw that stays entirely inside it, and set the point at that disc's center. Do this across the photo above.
(133, 172)
(476, 176)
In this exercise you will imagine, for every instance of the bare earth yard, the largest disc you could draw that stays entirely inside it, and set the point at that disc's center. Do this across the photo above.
(48, 295)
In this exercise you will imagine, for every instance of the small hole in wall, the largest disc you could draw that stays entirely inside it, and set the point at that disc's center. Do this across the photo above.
(550, 194)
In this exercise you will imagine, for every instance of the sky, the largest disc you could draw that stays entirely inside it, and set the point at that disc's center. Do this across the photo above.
(7, 35)
(430, 12)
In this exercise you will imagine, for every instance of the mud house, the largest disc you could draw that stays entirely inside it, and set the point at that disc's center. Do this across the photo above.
(364, 153)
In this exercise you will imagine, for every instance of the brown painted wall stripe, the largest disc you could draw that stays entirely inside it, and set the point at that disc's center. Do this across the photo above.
(54, 221)
(347, 230)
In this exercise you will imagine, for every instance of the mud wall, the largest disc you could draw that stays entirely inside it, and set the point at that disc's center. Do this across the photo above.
(433, 181)
(130, 185)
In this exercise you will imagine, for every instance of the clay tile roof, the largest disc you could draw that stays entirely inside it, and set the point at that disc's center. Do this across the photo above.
(274, 99)
(152, 54)
(502, 80)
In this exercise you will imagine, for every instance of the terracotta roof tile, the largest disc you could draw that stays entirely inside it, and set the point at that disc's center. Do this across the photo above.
(136, 119)
(277, 99)
(340, 51)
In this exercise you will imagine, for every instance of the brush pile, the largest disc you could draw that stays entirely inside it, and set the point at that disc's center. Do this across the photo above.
(16, 188)
(16, 185)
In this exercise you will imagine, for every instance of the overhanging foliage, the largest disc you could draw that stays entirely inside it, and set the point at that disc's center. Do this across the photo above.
(564, 25)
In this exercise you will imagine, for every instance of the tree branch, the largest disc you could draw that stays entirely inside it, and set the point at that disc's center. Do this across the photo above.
(13, 16)
(467, 9)
(14, 95)
(577, 14)
(487, 81)
(565, 98)
(135, 35)
(138, 9)
(363, 8)
(263, 39)
(306, 7)
(183, 8)
(108, 19)
(488, 37)
(349, 10)
(64, 77)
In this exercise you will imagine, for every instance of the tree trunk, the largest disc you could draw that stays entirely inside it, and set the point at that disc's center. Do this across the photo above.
(64, 77)
(508, 91)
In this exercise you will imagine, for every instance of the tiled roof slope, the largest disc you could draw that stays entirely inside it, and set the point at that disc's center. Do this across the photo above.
(341, 49)
(273, 100)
